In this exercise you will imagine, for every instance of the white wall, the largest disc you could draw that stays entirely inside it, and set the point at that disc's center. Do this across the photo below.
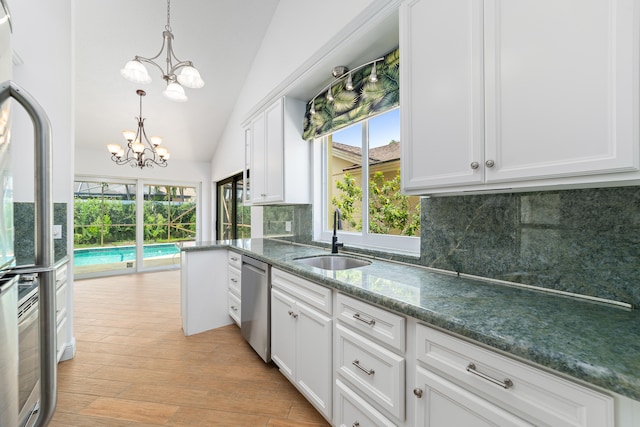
(297, 31)
(98, 164)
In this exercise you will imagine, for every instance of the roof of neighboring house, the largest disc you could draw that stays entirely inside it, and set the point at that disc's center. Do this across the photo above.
(384, 153)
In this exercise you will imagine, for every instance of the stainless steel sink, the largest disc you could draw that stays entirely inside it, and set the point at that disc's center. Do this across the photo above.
(333, 262)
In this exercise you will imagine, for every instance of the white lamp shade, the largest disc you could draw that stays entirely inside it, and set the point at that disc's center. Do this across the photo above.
(129, 135)
(137, 147)
(167, 155)
(114, 148)
(190, 77)
(156, 140)
(162, 152)
(175, 92)
(120, 152)
(135, 72)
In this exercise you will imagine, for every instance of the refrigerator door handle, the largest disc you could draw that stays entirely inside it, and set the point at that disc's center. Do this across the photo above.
(44, 255)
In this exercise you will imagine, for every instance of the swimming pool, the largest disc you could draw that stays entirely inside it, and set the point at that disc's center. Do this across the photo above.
(91, 256)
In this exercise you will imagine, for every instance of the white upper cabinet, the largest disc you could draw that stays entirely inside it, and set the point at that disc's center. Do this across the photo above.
(279, 159)
(503, 94)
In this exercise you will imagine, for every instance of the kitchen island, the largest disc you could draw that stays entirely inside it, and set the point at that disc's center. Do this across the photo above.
(588, 341)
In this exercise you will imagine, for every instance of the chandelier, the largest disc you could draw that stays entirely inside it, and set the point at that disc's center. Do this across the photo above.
(136, 72)
(140, 151)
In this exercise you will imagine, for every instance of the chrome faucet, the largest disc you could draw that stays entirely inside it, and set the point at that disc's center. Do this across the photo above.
(337, 225)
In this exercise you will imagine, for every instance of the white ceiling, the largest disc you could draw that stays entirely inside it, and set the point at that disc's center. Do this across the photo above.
(221, 37)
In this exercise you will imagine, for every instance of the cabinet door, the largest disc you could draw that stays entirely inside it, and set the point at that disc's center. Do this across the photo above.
(442, 120)
(440, 403)
(561, 88)
(283, 346)
(274, 174)
(258, 164)
(314, 357)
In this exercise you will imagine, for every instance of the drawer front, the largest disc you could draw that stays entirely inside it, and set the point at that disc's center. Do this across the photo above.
(531, 393)
(372, 369)
(234, 280)
(61, 303)
(314, 295)
(61, 338)
(233, 307)
(379, 324)
(235, 259)
(61, 275)
(352, 410)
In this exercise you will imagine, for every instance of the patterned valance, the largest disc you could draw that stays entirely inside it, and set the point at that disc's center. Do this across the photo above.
(350, 106)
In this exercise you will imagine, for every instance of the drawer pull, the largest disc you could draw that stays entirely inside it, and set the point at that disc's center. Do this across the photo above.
(234, 258)
(292, 314)
(355, 424)
(506, 383)
(369, 372)
(418, 392)
(368, 322)
(234, 280)
(234, 308)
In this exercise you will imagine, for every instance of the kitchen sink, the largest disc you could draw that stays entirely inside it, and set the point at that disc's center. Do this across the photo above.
(333, 262)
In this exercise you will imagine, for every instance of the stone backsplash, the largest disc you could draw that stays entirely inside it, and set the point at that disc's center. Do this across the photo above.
(299, 217)
(24, 220)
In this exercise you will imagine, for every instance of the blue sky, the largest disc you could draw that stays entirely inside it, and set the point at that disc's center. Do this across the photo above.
(382, 129)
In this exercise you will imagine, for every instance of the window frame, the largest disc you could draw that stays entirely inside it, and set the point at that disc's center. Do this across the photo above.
(407, 245)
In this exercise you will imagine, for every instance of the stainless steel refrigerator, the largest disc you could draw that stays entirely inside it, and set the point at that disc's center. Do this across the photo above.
(13, 96)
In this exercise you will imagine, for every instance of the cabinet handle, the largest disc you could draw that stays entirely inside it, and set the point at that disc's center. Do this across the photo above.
(234, 258)
(369, 372)
(368, 322)
(292, 314)
(506, 383)
(418, 392)
(474, 165)
(234, 308)
(355, 424)
(489, 163)
(263, 195)
(234, 280)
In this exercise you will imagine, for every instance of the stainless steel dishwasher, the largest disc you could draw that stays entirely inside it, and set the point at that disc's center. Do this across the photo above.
(255, 316)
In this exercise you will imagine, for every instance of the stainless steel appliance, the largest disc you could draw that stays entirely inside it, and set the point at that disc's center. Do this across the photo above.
(255, 316)
(28, 350)
(45, 387)
(9, 351)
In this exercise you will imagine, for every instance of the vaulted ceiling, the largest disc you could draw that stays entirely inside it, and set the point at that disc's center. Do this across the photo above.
(221, 37)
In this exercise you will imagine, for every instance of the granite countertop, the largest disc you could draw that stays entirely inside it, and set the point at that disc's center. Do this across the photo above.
(596, 343)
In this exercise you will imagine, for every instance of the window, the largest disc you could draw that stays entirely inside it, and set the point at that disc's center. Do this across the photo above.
(374, 213)
(129, 226)
(233, 216)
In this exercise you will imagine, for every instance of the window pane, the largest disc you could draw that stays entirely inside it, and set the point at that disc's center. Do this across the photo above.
(104, 227)
(344, 186)
(390, 212)
(225, 218)
(243, 213)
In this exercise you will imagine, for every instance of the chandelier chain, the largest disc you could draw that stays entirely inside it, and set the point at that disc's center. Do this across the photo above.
(168, 26)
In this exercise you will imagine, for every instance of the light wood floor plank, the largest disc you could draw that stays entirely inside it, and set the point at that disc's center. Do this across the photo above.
(135, 368)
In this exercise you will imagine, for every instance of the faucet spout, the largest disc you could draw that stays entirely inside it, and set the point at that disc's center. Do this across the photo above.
(337, 225)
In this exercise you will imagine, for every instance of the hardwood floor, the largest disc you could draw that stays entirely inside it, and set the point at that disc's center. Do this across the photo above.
(135, 367)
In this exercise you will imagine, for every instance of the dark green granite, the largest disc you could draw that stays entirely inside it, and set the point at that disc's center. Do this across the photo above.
(581, 241)
(595, 343)
(24, 219)
(300, 216)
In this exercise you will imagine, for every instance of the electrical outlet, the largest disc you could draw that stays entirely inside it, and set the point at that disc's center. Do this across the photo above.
(287, 226)
(57, 231)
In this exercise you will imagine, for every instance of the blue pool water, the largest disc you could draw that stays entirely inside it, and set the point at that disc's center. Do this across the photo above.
(92, 256)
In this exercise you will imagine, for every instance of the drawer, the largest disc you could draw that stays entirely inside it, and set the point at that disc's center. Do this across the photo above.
(532, 393)
(372, 369)
(61, 338)
(61, 275)
(233, 307)
(235, 259)
(234, 280)
(61, 302)
(352, 410)
(379, 324)
(314, 295)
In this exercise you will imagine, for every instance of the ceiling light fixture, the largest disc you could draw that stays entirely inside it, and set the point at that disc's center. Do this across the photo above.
(136, 72)
(339, 72)
(141, 151)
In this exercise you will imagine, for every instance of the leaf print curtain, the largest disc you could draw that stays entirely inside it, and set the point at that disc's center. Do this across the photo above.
(365, 100)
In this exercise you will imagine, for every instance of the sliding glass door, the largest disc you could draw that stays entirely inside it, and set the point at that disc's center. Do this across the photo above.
(233, 217)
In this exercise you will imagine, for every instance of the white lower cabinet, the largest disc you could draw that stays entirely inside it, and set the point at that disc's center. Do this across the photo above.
(351, 410)
(61, 313)
(484, 385)
(234, 288)
(301, 337)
